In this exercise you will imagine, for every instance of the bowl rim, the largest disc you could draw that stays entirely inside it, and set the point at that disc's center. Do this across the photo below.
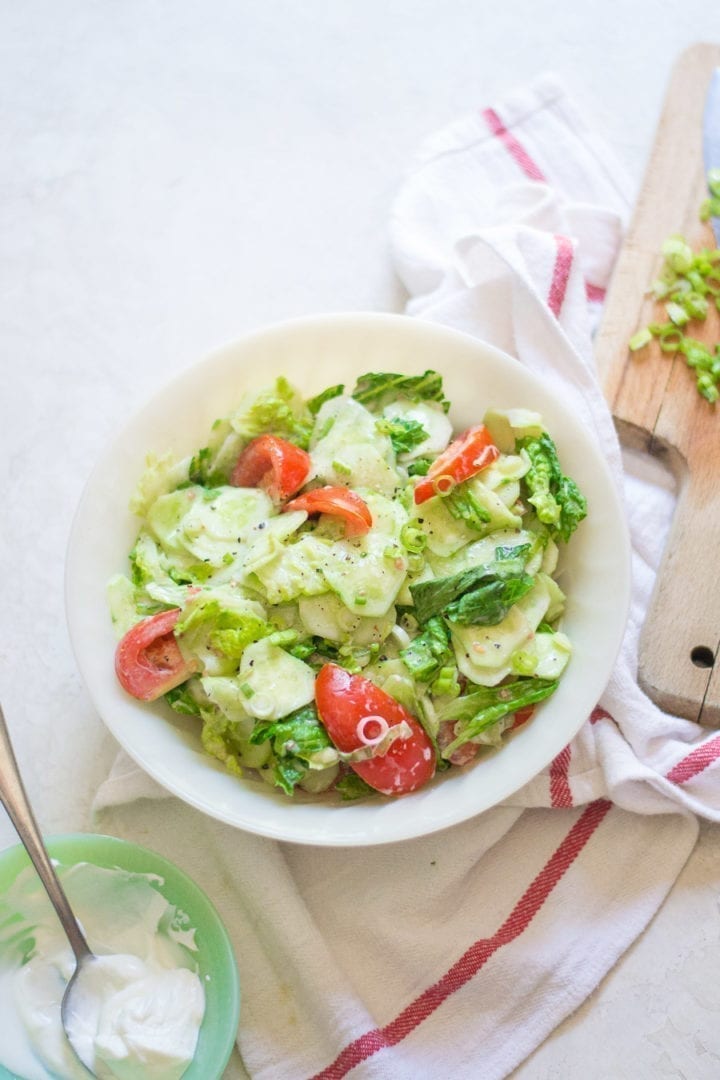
(348, 322)
(67, 846)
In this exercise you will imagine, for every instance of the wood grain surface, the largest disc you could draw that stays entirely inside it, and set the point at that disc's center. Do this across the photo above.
(657, 407)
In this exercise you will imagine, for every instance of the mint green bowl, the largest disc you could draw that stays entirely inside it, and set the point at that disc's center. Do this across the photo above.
(216, 961)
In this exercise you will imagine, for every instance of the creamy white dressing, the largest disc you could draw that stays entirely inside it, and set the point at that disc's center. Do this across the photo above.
(136, 1012)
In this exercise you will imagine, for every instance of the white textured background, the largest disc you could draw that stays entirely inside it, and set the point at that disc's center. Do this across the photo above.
(175, 173)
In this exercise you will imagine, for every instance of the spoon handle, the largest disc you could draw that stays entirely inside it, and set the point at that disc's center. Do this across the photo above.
(15, 801)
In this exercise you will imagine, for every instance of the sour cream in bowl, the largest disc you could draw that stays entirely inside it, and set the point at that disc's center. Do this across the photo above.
(161, 1001)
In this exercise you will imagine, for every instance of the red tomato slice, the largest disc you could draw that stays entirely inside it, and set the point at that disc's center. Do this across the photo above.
(340, 502)
(277, 466)
(465, 753)
(522, 716)
(466, 456)
(343, 701)
(148, 661)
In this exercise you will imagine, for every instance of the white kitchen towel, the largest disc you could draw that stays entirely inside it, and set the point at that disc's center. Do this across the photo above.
(508, 228)
(456, 954)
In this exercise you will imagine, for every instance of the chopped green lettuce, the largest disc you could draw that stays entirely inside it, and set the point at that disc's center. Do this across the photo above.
(429, 651)
(183, 700)
(203, 469)
(481, 595)
(464, 505)
(279, 410)
(299, 743)
(404, 434)
(484, 653)
(419, 467)
(217, 628)
(475, 712)
(378, 389)
(315, 404)
(557, 499)
(350, 786)
(489, 603)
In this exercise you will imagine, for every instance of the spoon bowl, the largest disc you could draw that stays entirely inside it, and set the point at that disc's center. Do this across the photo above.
(68, 1005)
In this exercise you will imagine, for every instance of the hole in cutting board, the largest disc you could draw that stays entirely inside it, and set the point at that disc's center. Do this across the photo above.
(702, 656)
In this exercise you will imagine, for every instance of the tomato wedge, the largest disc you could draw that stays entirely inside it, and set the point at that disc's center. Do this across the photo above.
(347, 703)
(522, 716)
(271, 463)
(465, 753)
(466, 456)
(340, 502)
(148, 661)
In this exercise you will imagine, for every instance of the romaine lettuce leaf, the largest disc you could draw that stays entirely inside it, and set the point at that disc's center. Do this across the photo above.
(217, 631)
(299, 743)
(278, 410)
(351, 786)
(429, 651)
(479, 710)
(203, 469)
(489, 603)
(483, 653)
(183, 698)
(404, 434)
(315, 404)
(481, 595)
(464, 505)
(377, 389)
(419, 467)
(558, 502)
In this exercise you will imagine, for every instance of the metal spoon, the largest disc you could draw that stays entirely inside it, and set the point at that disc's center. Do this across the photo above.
(15, 801)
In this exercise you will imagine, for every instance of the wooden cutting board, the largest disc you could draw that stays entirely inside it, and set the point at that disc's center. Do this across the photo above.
(657, 408)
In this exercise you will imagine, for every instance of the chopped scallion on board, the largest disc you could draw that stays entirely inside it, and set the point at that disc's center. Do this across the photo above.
(687, 284)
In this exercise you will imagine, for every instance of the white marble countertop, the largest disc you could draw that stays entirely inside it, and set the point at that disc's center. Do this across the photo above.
(176, 173)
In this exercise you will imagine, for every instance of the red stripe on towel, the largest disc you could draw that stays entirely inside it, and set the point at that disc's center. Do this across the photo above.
(696, 761)
(595, 292)
(561, 274)
(599, 713)
(560, 793)
(515, 148)
(478, 954)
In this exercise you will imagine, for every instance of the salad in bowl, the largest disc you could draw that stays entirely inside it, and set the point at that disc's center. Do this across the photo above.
(345, 593)
(350, 616)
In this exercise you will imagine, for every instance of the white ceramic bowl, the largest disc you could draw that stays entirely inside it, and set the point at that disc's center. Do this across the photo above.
(314, 353)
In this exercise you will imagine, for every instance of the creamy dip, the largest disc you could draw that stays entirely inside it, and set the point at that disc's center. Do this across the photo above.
(136, 1011)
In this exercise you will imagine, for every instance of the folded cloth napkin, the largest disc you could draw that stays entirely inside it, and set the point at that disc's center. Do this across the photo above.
(456, 954)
